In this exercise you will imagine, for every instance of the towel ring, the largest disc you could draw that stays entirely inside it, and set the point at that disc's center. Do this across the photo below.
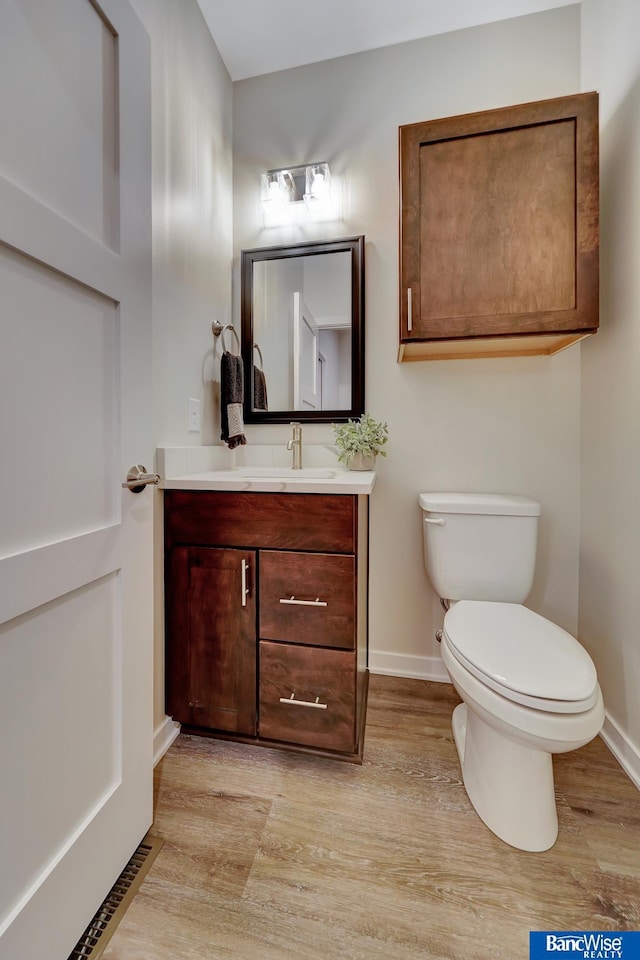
(256, 347)
(237, 338)
(217, 329)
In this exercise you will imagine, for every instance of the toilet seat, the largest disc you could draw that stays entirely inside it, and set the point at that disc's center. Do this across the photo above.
(521, 655)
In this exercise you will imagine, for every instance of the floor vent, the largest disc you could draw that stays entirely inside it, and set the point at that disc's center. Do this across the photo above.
(93, 941)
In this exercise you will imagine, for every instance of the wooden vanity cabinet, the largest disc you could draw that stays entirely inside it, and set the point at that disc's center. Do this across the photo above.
(266, 617)
(499, 231)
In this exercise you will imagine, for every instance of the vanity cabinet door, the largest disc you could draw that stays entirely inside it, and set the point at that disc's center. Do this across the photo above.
(211, 638)
(308, 598)
(307, 696)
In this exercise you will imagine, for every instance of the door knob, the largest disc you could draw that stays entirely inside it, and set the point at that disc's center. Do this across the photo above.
(138, 478)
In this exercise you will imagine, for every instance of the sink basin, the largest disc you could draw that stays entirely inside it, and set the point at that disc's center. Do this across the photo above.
(284, 473)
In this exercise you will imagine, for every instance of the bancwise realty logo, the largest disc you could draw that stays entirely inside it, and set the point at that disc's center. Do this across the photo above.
(585, 945)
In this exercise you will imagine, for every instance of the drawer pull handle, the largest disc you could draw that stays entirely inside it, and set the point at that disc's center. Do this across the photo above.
(303, 603)
(304, 703)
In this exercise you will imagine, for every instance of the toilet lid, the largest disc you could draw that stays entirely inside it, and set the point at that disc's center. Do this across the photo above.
(522, 655)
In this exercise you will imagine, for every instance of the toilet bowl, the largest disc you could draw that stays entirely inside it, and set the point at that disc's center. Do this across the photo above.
(507, 729)
(529, 689)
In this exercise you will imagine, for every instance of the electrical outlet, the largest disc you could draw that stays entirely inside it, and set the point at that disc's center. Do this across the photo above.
(194, 415)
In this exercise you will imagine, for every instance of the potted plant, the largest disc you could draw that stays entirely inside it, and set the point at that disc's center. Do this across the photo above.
(360, 441)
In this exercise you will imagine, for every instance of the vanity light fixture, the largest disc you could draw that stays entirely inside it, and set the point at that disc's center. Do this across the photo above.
(288, 191)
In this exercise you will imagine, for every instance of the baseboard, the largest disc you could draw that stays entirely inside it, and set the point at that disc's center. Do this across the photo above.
(404, 665)
(163, 737)
(621, 747)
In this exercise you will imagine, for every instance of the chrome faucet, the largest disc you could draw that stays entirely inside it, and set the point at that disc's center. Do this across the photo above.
(295, 445)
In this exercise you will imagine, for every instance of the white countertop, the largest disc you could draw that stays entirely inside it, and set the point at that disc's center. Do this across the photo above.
(255, 470)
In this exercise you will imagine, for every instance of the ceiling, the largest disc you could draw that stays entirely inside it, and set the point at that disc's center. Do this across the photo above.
(261, 36)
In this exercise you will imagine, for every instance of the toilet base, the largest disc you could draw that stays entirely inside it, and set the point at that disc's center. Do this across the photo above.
(509, 784)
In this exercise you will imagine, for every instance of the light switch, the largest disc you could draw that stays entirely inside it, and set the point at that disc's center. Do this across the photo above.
(194, 415)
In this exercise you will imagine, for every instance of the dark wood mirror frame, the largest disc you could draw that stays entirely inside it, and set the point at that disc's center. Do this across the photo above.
(352, 245)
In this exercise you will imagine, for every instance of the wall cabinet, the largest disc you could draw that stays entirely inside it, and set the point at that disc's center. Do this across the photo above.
(499, 233)
(266, 617)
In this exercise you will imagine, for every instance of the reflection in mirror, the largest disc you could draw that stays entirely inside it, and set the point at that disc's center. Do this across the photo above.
(302, 317)
(302, 331)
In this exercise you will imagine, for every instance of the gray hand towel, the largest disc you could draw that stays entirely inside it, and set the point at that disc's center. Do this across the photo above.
(231, 400)
(259, 389)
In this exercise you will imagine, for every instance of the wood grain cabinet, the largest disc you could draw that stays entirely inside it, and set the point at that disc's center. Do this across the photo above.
(266, 617)
(499, 231)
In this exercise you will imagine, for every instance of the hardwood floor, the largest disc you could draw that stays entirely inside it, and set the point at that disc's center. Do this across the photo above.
(271, 855)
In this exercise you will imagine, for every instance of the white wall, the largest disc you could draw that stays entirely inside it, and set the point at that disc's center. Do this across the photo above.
(192, 215)
(496, 425)
(610, 543)
(192, 229)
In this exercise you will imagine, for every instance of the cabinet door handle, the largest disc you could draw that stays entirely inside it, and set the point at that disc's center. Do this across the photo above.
(304, 603)
(409, 310)
(304, 703)
(244, 588)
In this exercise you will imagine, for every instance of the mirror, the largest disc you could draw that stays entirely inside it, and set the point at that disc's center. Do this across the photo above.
(302, 324)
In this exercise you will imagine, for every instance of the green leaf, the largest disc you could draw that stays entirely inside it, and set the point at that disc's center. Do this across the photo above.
(366, 436)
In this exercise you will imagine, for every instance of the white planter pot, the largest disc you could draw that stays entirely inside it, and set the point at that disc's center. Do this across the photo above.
(360, 461)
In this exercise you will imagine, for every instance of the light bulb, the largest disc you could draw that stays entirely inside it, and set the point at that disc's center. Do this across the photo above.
(319, 187)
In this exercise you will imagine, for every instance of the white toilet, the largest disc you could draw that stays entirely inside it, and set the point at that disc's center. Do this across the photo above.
(529, 689)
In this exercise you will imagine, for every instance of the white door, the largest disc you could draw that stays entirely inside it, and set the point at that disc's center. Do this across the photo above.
(75, 402)
(306, 384)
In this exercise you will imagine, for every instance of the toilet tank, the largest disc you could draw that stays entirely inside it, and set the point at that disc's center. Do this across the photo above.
(480, 546)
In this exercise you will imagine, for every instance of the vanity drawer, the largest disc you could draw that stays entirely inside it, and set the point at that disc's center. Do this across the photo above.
(308, 598)
(289, 521)
(307, 696)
